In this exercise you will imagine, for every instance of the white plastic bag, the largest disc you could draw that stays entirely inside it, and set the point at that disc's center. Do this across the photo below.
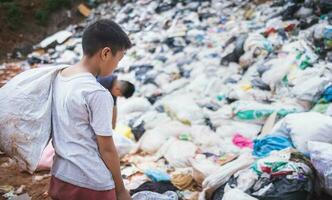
(154, 138)
(310, 89)
(221, 176)
(245, 179)
(279, 68)
(135, 104)
(178, 153)
(237, 194)
(229, 128)
(305, 127)
(148, 195)
(204, 137)
(202, 168)
(183, 108)
(123, 145)
(321, 158)
(25, 117)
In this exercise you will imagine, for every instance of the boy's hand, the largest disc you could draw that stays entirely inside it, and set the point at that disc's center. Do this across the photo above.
(123, 195)
(110, 157)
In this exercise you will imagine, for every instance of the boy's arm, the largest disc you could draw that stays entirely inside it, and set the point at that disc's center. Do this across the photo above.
(100, 113)
(115, 114)
(111, 159)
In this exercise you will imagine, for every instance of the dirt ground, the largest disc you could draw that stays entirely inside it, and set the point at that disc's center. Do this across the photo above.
(10, 175)
(28, 32)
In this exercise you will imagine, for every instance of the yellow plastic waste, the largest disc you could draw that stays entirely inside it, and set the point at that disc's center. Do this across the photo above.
(84, 10)
(246, 87)
(125, 131)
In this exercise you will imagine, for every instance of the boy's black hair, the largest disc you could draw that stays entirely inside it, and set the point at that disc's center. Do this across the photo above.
(127, 88)
(104, 33)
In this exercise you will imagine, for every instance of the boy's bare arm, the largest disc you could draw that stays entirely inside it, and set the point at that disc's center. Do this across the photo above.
(115, 113)
(111, 159)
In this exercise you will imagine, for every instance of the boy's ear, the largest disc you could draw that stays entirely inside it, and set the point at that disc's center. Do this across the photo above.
(105, 52)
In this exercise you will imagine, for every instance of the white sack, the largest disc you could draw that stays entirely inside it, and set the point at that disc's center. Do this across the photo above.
(123, 145)
(25, 117)
(221, 176)
(178, 153)
(202, 168)
(183, 108)
(134, 104)
(321, 158)
(237, 194)
(154, 138)
(305, 127)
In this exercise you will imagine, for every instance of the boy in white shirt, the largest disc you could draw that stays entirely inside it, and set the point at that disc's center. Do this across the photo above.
(86, 164)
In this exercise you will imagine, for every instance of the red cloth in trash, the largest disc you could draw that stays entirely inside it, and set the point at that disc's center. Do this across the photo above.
(60, 190)
(242, 142)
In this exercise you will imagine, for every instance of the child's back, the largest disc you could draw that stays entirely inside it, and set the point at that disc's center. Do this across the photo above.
(77, 159)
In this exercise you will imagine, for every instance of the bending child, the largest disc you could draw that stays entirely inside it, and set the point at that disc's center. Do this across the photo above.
(117, 88)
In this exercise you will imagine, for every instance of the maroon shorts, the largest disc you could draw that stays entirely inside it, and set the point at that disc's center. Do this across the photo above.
(60, 190)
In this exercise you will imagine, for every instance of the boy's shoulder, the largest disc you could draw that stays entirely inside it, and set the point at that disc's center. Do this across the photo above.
(87, 84)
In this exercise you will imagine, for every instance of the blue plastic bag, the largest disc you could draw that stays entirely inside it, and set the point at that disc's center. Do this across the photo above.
(327, 95)
(157, 175)
(264, 146)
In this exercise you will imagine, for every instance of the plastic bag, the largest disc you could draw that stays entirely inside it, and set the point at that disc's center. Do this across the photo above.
(124, 131)
(321, 158)
(154, 138)
(157, 175)
(148, 195)
(245, 179)
(237, 194)
(280, 68)
(221, 176)
(231, 128)
(327, 94)
(296, 127)
(25, 117)
(135, 104)
(263, 147)
(310, 89)
(177, 152)
(204, 137)
(183, 108)
(46, 161)
(258, 112)
(202, 168)
(123, 144)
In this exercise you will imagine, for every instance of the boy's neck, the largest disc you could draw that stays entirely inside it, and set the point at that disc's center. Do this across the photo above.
(88, 64)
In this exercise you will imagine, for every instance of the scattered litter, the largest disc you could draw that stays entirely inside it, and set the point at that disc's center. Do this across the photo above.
(230, 96)
(6, 188)
(24, 196)
(84, 10)
(40, 177)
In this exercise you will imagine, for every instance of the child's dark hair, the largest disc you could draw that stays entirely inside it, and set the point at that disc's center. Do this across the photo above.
(104, 33)
(127, 88)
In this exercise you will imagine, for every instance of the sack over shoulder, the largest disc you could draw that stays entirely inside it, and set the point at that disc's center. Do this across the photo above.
(25, 117)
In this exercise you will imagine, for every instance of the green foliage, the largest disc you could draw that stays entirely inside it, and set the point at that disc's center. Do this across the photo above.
(13, 15)
(53, 5)
(42, 15)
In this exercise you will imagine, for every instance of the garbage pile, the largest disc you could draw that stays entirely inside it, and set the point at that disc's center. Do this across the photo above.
(233, 97)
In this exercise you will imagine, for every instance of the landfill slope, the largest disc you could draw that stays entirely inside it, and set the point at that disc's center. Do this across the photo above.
(229, 96)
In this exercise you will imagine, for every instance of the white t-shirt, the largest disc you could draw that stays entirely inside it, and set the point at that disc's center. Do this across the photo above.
(81, 109)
